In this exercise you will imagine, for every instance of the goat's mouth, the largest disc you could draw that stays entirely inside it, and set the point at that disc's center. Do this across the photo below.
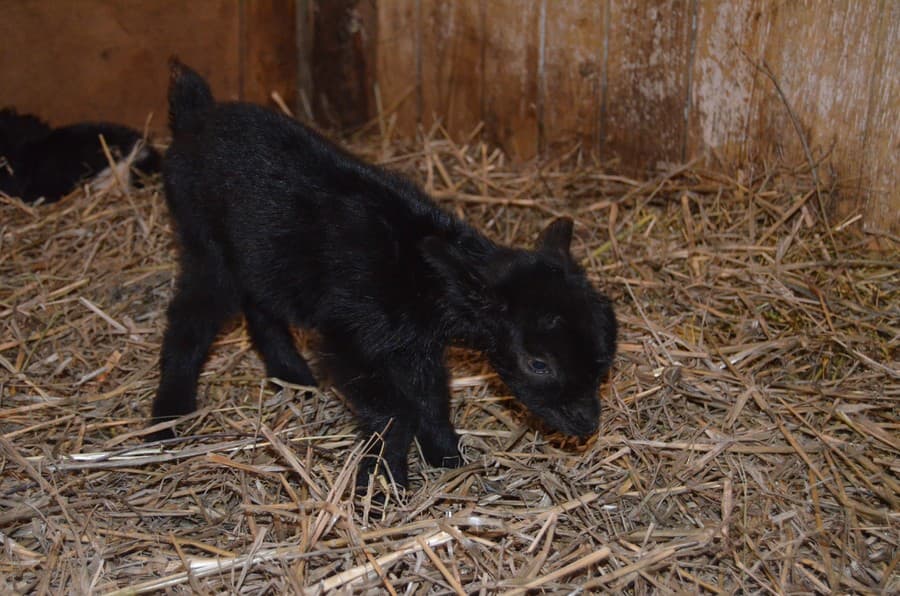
(571, 424)
(580, 429)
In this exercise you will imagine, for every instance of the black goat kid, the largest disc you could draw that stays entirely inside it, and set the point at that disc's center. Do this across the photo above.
(279, 223)
(38, 161)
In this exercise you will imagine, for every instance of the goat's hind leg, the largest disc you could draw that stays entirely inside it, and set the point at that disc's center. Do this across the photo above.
(205, 298)
(272, 337)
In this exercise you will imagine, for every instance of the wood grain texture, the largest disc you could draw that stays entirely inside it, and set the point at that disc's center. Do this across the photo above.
(452, 65)
(821, 54)
(343, 68)
(649, 46)
(511, 75)
(724, 82)
(826, 58)
(833, 63)
(661, 81)
(643, 81)
(269, 51)
(304, 34)
(573, 69)
(879, 191)
(106, 60)
(397, 62)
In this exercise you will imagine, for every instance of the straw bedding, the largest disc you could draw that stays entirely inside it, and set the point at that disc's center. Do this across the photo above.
(749, 439)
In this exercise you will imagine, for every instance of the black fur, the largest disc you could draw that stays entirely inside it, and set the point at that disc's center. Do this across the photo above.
(277, 222)
(49, 163)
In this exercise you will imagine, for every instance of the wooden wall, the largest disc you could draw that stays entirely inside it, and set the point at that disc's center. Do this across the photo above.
(649, 81)
(106, 59)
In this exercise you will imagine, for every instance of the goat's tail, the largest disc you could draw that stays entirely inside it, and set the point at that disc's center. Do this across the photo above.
(189, 98)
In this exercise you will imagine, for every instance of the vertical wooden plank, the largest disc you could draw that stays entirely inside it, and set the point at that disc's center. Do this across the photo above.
(737, 111)
(880, 179)
(573, 54)
(725, 84)
(396, 62)
(304, 34)
(343, 70)
(106, 60)
(511, 56)
(649, 49)
(823, 56)
(269, 60)
(837, 38)
(452, 34)
(680, 77)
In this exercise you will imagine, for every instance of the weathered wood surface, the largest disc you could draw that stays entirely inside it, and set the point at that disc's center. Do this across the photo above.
(644, 82)
(451, 63)
(268, 53)
(511, 70)
(343, 72)
(106, 59)
(649, 47)
(573, 74)
(879, 180)
(659, 82)
(397, 57)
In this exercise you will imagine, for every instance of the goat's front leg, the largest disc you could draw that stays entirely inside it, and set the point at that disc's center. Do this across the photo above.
(436, 435)
(393, 434)
(384, 412)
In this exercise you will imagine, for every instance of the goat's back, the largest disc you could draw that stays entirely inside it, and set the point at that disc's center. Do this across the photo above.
(306, 228)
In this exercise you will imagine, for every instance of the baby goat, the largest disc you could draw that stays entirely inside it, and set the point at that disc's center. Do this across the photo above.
(38, 161)
(278, 223)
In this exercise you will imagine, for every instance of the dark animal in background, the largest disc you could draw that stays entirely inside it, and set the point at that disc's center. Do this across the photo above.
(277, 222)
(39, 161)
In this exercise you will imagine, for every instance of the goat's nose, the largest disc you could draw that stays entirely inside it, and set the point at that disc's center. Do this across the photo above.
(590, 426)
(584, 420)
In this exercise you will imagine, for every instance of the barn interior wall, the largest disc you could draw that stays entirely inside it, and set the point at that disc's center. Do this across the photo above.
(649, 84)
(638, 83)
(106, 59)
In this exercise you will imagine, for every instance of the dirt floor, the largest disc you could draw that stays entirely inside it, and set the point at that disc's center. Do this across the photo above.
(750, 439)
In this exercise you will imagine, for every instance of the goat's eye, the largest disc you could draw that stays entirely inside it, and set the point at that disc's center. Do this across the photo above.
(538, 367)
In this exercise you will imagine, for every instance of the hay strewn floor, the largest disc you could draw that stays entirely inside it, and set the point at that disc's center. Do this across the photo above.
(750, 437)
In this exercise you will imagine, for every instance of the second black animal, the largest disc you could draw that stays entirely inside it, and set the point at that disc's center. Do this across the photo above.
(38, 161)
(278, 223)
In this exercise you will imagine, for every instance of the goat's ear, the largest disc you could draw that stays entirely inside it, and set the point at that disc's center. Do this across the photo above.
(557, 237)
(462, 276)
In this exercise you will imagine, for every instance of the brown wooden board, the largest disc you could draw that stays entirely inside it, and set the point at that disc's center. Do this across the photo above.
(397, 62)
(828, 59)
(511, 57)
(269, 55)
(304, 34)
(649, 47)
(572, 74)
(724, 82)
(879, 187)
(342, 62)
(821, 55)
(452, 65)
(106, 60)
(659, 82)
